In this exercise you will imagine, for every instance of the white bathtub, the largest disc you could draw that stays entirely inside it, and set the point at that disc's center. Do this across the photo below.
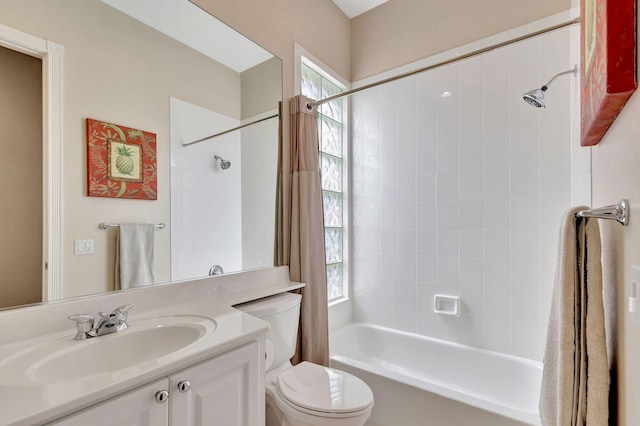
(417, 380)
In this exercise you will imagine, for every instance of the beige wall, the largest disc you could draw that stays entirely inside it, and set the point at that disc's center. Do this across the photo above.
(120, 71)
(317, 25)
(616, 175)
(260, 93)
(20, 178)
(402, 31)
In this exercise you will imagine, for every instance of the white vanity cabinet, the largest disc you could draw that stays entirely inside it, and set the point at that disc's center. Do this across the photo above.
(227, 390)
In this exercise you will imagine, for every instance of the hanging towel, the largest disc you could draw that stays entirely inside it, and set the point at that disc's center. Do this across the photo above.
(134, 255)
(575, 378)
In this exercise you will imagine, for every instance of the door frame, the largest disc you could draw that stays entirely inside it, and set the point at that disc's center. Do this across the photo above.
(52, 56)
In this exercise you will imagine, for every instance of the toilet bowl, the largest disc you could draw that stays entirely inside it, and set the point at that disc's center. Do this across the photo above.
(305, 394)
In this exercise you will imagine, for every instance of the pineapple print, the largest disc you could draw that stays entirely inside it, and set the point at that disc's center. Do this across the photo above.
(124, 161)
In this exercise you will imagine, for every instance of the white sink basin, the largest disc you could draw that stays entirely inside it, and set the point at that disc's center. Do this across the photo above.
(145, 341)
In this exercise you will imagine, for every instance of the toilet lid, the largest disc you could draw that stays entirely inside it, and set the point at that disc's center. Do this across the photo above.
(323, 389)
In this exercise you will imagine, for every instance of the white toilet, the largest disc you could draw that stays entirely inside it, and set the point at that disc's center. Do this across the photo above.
(307, 394)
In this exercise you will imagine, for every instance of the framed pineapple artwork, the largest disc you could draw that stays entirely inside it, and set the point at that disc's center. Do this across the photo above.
(121, 161)
(608, 57)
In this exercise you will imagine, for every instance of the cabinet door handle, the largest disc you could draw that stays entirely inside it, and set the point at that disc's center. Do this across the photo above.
(162, 396)
(184, 386)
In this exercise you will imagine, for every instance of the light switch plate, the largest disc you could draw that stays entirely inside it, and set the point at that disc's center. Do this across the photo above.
(83, 247)
(634, 299)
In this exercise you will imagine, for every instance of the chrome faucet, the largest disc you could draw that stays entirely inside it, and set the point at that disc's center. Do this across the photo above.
(108, 323)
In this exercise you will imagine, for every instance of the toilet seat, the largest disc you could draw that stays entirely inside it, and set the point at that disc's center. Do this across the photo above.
(322, 391)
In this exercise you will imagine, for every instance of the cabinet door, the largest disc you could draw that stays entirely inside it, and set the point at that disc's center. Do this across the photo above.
(134, 408)
(227, 390)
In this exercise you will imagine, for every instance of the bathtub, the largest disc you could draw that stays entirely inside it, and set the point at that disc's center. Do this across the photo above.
(421, 381)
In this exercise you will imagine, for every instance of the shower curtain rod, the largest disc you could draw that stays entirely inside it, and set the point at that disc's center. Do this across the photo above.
(439, 64)
(184, 145)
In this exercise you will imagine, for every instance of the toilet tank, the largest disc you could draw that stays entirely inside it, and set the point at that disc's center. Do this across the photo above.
(282, 312)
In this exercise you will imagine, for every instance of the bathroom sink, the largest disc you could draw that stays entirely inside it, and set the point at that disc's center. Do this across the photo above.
(145, 341)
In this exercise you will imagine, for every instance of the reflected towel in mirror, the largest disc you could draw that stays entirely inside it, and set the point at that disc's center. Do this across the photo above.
(134, 255)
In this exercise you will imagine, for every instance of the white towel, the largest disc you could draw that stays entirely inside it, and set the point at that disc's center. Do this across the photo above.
(575, 379)
(134, 255)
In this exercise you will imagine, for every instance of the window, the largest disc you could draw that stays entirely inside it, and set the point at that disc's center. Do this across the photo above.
(316, 84)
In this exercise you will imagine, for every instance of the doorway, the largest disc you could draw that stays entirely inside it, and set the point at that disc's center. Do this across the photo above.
(21, 180)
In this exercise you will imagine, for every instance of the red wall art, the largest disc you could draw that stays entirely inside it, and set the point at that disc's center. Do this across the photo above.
(608, 58)
(121, 162)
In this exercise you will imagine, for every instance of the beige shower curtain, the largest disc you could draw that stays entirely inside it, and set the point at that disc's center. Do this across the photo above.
(307, 256)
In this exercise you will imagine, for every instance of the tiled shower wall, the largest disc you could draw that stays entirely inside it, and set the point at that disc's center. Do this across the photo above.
(458, 189)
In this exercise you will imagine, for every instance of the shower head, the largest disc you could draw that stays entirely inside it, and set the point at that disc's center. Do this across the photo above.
(224, 164)
(535, 97)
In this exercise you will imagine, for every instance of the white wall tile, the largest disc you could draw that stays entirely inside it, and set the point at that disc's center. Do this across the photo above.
(447, 242)
(407, 292)
(496, 243)
(525, 309)
(495, 62)
(388, 266)
(446, 186)
(471, 274)
(496, 274)
(426, 268)
(447, 134)
(426, 188)
(388, 215)
(407, 87)
(426, 83)
(496, 212)
(470, 70)
(447, 270)
(388, 93)
(426, 241)
(471, 242)
(407, 241)
(406, 188)
(447, 214)
(388, 240)
(407, 215)
(496, 305)
(447, 77)
(462, 195)
(407, 267)
(525, 276)
(427, 215)
(424, 295)
(524, 244)
(388, 290)
(470, 213)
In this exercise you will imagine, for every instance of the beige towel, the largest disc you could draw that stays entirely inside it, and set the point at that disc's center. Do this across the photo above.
(575, 379)
(134, 255)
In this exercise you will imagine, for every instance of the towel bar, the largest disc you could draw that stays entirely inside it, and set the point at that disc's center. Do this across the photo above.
(619, 212)
(103, 225)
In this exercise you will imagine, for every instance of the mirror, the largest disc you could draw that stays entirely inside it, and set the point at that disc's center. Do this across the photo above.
(166, 67)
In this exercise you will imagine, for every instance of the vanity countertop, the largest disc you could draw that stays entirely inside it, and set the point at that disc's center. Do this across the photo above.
(27, 401)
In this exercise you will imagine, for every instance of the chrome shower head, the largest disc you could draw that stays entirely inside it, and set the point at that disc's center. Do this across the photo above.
(536, 97)
(224, 164)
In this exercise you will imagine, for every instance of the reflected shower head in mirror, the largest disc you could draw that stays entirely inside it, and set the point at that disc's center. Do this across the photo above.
(535, 97)
(224, 164)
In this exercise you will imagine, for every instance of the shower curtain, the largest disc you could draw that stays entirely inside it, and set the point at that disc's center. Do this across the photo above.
(307, 254)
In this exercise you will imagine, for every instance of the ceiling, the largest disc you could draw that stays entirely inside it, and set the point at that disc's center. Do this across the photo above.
(353, 8)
